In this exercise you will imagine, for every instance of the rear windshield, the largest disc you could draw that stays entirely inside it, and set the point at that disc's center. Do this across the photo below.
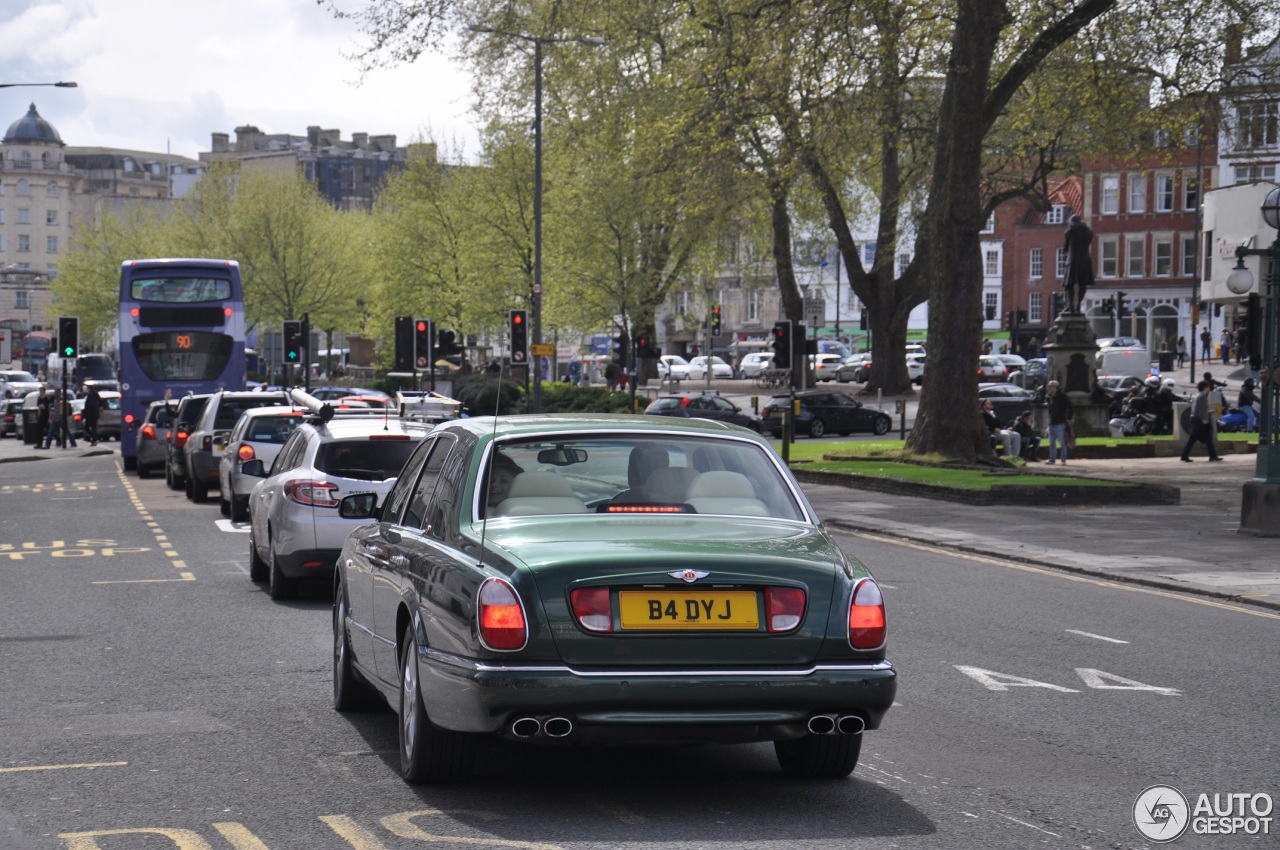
(231, 408)
(191, 409)
(271, 429)
(365, 459)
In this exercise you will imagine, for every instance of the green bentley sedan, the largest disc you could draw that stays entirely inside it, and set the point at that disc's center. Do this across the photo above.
(580, 579)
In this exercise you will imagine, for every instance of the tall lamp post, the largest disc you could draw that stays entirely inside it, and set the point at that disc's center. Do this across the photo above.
(536, 295)
(60, 84)
(1260, 509)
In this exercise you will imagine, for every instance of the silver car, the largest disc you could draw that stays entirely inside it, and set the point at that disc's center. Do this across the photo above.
(153, 436)
(295, 531)
(259, 434)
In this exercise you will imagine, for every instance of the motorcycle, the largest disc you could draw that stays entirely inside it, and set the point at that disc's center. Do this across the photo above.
(1234, 420)
(1132, 423)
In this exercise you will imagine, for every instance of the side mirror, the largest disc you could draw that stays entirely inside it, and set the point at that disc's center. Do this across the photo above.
(255, 468)
(359, 506)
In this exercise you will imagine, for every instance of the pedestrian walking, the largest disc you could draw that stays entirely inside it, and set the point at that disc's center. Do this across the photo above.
(1061, 412)
(92, 407)
(59, 417)
(1201, 424)
(1206, 344)
(1182, 351)
(44, 403)
(1224, 342)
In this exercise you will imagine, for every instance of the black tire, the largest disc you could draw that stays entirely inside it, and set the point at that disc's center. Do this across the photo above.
(239, 509)
(196, 491)
(817, 427)
(881, 426)
(130, 463)
(427, 752)
(224, 506)
(350, 692)
(258, 569)
(819, 756)
(144, 471)
(170, 480)
(279, 585)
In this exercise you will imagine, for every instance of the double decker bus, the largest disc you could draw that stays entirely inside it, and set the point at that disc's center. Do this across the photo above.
(181, 331)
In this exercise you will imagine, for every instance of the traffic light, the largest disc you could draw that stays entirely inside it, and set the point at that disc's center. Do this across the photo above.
(1108, 305)
(422, 343)
(1121, 307)
(518, 320)
(69, 335)
(293, 341)
(645, 348)
(448, 346)
(782, 345)
(715, 320)
(404, 343)
(620, 348)
(1022, 317)
(1008, 320)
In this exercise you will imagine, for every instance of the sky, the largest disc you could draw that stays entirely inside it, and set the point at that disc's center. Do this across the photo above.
(163, 75)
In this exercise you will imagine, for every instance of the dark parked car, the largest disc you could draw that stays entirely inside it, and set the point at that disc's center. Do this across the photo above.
(175, 467)
(1032, 374)
(703, 407)
(582, 579)
(825, 410)
(202, 452)
(10, 416)
(1007, 400)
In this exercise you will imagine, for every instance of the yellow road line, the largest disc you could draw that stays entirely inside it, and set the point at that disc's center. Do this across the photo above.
(84, 766)
(167, 547)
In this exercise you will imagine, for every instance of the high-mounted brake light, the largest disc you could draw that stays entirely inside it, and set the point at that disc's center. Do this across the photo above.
(396, 437)
(591, 607)
(866, 616)
(501, 616)
(783, 608)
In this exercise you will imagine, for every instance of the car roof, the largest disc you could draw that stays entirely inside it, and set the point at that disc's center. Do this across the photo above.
(549, 424)
(340, 427)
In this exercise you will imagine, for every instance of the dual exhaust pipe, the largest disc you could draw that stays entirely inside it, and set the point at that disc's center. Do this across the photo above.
(532, 727)
(835, 724)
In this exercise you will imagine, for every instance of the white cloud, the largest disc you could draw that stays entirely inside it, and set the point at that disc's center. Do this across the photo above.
(170, 72)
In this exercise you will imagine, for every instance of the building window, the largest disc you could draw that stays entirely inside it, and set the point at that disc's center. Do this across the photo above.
(753, 306)
(992, 301)
(24, 188)
(24, 243)
(1188, 256)
(1037, 263)
(1034, 315)
(51, 244)
(24, 216)
(1190, 192)
(992, 265)
(1135, 251)
(1, 215)
(1164, 256)
(1255, 173)
(22, 299)
(904, 260)
(1, 242)
(1108, 257)
(1110, 195)
(1258, 125)
(50, 216)
(1137, 193)
(869, 254)
(1057, 214)
(990, 226)
(1062, 263)
(51, 270)
(51, 189)
(1164, 193)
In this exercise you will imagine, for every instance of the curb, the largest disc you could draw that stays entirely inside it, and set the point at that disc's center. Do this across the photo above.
(1116, 493)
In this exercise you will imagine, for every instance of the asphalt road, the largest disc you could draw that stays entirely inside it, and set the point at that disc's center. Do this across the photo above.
(155, 698)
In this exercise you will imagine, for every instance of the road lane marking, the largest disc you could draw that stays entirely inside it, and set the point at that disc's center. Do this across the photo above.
(1024, 823)
(1061, 574)
(167, 547)
(1095, 637)
(89, 765)
(232, 527)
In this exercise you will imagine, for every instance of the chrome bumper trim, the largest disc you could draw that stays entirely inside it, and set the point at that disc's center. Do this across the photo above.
(446, 659)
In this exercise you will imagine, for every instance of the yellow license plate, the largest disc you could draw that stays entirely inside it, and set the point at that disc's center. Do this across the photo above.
(711, 609)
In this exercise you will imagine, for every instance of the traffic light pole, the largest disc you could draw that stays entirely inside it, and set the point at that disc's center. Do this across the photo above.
(306, 346)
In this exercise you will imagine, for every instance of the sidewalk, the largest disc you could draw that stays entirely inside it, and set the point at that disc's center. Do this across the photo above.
(1193, 546)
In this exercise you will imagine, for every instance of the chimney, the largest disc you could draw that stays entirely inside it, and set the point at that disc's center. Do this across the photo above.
(313, 135)
(384, 143)
(330, 137)
(1234, 38)
(360, 140)
(221, 143)
(247, 138)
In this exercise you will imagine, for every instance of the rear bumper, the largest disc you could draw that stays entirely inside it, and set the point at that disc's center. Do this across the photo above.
(471, 696)
(309, 563)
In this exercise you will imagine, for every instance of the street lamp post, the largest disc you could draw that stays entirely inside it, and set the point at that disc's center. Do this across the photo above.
(60, 84)
(1260, 509)
(535, 298)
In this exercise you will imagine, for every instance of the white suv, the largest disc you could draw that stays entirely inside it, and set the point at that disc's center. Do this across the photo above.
(295, 531)
(259, 434)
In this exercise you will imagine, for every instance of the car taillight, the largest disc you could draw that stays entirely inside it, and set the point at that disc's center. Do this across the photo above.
(591, 607)
(318, 494)
(866, 616)
(783, 608)
(502, 623)
(78, 417)
(148, 432)
(206, 445)
(128, 419)
(245, 452)
(180, 439)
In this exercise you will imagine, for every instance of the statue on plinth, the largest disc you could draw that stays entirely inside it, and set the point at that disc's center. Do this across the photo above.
(1079, 276)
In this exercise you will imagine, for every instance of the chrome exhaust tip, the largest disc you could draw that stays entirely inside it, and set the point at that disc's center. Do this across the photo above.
(525, 727)
(851, 724)
(557, 727)
(822, 724)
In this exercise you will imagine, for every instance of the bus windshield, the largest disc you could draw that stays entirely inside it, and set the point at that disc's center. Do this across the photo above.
(180, 290)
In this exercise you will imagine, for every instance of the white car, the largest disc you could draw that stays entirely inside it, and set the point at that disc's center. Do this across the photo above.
(825, 366)
(719, 368)
(16, 383)
(673, 366)
(915, 368)
(755, 363)
(259, 434)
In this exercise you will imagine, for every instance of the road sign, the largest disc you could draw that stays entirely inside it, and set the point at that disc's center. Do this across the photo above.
(543, 349)
(815, 310)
